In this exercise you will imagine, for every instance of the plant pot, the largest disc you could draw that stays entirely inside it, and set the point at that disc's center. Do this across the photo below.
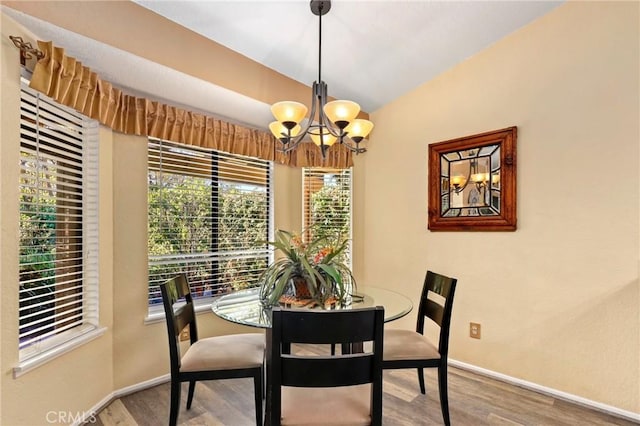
(300, 288)
(296, 292)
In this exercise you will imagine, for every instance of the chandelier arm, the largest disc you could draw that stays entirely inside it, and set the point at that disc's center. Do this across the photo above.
(325, 123)
(323, 120)
(293, 142)
(353, 148)
(466, 181)
(314, 107)
(286, 148)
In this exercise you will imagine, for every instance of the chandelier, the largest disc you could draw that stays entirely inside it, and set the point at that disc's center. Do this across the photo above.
(474, 175)
(328, 122)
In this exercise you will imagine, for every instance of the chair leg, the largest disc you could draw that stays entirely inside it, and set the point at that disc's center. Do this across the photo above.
(267, 396)
(421, 380)
(263, 374)
(192, 388)
(176, 386)
(257, 390)
(444, 398)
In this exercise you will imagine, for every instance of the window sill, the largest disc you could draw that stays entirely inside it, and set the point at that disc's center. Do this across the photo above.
(157, 315)
(54, 352)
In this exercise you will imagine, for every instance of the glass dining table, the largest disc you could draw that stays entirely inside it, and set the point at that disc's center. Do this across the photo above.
(244, 307)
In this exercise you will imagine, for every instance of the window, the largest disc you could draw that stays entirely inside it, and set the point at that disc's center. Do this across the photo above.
(58, 261)
(327, 203)
(207, 211)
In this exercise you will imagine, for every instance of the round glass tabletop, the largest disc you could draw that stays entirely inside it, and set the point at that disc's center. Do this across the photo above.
(244, 307)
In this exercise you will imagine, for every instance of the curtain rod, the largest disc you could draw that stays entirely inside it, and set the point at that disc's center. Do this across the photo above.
(26, 50)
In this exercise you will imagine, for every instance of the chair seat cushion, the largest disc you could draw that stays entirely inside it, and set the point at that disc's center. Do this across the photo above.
(225, 353)
(346, 405)
(407, 344)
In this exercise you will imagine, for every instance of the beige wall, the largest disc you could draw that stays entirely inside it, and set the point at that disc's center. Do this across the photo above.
(558, 299)
(140, 351)
(128, 29)
(75, 381)
(130, 352)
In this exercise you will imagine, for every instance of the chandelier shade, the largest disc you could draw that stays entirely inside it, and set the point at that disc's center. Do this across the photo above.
(341, 112)
(359, 128)
(288, 112)
(277, 128)
(479, 177)
(326, 139)
(328, 122)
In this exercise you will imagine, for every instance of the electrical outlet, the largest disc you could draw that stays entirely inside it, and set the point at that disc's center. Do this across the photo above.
(184, 334)
(474, 330)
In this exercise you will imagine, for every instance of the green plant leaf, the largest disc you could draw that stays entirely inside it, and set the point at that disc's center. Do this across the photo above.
(337, 251)
(280, 286)
(332, 272)
(330, 277)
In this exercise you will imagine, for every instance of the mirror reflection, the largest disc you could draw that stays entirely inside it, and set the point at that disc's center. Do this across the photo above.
(470, 182)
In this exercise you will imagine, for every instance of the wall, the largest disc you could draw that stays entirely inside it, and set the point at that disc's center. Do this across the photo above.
(131, 351)
(140, 350)
(75, 381)
(128, 30)
(558, 299)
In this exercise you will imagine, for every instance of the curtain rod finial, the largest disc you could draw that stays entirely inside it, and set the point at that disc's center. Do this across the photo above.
(26, 49)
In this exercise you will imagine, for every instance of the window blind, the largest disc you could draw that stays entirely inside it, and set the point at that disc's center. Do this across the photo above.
(207, 212)
(58, 260)
(327, 203)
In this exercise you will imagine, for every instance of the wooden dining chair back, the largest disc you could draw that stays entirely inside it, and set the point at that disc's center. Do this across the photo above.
(306, 388)
(412, 349)
(221, 357)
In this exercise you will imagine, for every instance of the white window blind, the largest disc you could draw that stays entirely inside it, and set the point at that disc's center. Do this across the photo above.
(58, 224)
(207, 212)
(327, 203)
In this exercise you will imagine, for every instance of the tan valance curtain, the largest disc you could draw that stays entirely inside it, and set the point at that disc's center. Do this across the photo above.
(66, 80)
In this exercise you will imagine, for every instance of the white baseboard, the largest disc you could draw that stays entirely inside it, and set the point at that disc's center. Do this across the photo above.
(141, 386)
(123, 392)
(609, 409)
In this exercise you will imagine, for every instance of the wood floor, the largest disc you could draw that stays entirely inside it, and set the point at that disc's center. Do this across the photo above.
(474, 400)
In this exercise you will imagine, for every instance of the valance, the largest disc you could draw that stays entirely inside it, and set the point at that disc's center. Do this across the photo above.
(68, 82)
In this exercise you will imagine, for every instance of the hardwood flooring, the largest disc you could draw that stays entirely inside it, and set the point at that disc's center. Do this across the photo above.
(474, 400)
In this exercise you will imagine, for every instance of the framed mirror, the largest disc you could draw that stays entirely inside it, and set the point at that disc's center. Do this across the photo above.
(472, 183)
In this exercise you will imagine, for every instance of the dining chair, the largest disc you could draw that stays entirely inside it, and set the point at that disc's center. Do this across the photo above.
(308, 389)
(412, 349)
(221, 357)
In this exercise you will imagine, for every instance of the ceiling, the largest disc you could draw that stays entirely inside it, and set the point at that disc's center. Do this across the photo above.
(372, 51)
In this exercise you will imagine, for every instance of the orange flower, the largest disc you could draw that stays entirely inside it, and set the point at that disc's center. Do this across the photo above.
(296, 240)
(322, 254)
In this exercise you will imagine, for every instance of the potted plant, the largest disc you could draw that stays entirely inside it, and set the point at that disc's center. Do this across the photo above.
(307, 272)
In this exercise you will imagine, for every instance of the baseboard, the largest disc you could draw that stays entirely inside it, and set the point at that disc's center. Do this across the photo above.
(120, 393)
(141, 386)
(609, 409)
